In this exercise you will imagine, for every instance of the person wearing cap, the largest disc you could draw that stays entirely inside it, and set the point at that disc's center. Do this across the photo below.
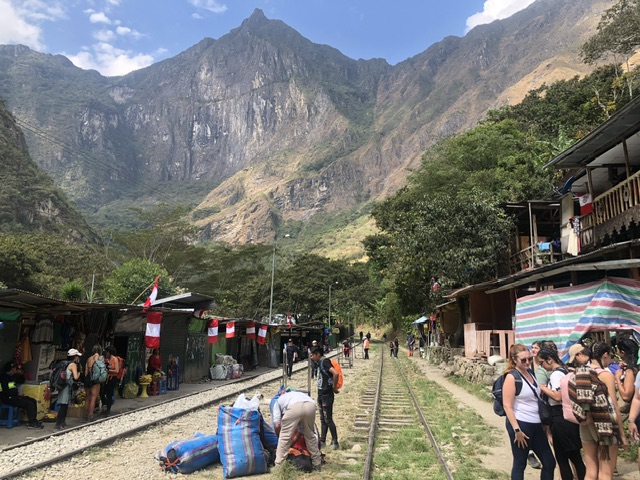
(10, 376)
(292, 356)
(64, 395)
(578, 356)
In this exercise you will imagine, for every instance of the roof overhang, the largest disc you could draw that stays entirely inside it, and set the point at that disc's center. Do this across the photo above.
(189, 301)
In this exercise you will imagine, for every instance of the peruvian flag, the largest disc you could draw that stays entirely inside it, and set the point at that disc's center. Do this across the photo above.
(251, 330)
(288, 320)
(212, 330)
(231, 330)
(262, 334)
(154, 293)
(586, 205)
(152, 335)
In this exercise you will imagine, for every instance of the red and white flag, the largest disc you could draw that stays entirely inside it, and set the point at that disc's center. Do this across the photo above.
(212, 330)
(231, 330)
(288, 320)
(154, 293)
(586, 205)
(251, 330)
(152, 335)
(262, 334)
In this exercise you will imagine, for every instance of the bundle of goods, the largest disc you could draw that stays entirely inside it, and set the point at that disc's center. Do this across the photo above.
(145, 379)
(239, 443)
(130, 390)
(225, 359)
(187, 456)
(237, 370)
(158, 375)
(218, 372)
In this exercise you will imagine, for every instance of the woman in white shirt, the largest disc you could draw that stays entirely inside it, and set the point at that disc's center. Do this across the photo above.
(566, 435)
(523, 420)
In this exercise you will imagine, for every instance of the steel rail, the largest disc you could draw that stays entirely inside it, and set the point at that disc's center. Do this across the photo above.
(425, 424)
(373, 429)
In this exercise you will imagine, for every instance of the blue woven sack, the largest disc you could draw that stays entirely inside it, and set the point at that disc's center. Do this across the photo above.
(187, 456)
(239, 444)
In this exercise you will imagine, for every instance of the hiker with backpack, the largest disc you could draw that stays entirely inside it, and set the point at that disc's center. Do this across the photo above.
(565, 435)
(95, 373)
(327, 388)
(113, 378)
(595, 392)
(523, 419)
(64, 385)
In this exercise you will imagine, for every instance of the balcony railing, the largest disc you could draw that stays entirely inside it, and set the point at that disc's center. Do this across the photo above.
(532, 257)
(610, 210)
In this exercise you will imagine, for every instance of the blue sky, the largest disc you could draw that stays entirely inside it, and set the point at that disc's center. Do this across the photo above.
(118, 36)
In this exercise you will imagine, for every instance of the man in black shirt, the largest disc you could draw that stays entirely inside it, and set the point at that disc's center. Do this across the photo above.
(10, 375)
(327, 381)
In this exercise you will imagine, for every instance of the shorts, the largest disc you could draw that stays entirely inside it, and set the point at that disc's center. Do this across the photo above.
(588, 433)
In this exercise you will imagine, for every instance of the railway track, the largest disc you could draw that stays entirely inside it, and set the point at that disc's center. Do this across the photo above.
(393, 410)
(18, 459)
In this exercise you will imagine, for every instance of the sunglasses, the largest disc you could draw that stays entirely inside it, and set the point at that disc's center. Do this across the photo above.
(525, 360)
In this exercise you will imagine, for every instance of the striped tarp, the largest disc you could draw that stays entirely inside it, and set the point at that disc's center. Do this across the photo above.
(564, 315)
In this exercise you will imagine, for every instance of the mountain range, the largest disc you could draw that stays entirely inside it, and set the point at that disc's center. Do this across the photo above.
(263, 132)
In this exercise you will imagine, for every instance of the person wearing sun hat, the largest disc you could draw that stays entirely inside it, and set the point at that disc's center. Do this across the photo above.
(578, 355)
(64, 395)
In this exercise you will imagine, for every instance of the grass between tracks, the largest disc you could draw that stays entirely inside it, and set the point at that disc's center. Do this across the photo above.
(461, 433)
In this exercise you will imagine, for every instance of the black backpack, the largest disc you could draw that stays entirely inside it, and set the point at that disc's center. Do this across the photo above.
(496, 391)
(58, 379)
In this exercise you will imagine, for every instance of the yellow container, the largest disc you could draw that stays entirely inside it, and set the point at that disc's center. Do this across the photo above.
(38, 392)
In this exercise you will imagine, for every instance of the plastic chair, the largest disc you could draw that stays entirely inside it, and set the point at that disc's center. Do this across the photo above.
(13, 418)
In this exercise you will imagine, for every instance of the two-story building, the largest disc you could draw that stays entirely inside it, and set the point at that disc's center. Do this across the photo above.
(588, 231)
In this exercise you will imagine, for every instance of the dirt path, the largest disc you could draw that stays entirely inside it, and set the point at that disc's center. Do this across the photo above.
(500, 457)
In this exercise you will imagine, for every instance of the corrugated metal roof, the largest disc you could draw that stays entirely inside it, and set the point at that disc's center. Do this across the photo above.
(622, 125)
(23, 300)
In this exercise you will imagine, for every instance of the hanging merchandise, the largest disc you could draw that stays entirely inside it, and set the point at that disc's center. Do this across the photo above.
(262, 334)
(152, 335)
(251, 330)
(212, 330)
(43, 333)
(231, 330)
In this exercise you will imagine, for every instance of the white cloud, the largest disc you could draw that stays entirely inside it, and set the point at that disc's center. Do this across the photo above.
(99, 17)
(129, 32)
(20, 20)
(496, 10)
(104, 35)
(109, 60)
(197, 16)
(213, 6)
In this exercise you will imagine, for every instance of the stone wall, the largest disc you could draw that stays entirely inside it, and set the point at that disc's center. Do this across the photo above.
(453, 362)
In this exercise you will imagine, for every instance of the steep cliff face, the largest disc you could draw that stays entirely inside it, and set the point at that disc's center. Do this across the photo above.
(29, 201)
(285, 128)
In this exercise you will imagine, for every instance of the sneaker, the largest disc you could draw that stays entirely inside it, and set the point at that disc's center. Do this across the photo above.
(35, 426)
(533, 461)
(335, 446)
(59, 427)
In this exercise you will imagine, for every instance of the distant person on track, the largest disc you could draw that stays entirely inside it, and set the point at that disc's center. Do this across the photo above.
(523, 420)
(392, 348)
(327, 389)
(396, 346)
(384, 337)
(346, 347)
(361, 335)
(366, 346)
(314, 365)
(292, 356)
(10, 376)
(290, 410)
(64, 395)
(421, 343)
(411, 341)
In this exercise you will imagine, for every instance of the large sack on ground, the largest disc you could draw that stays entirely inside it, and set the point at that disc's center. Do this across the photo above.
(187, 456)
(218, 372)
(239, 443)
